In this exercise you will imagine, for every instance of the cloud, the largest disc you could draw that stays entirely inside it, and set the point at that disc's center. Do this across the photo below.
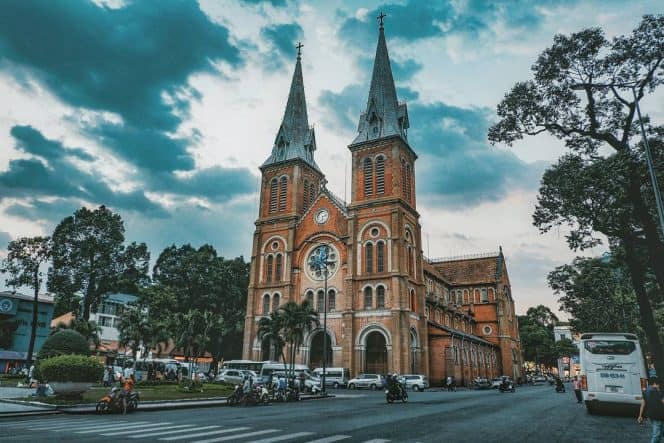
(275, 3)
(457, 166)
(5, 238)
(281, 39)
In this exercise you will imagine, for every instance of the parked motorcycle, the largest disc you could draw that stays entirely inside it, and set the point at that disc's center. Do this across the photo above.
(112, 402)
(235, 397)
(395, 393)
(507, 386)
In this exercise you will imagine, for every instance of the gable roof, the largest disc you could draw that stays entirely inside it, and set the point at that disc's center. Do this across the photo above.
(472, 269)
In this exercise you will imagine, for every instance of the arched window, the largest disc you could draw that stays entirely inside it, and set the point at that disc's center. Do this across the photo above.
(331, 300)
(278, 268)
(266, 304)
(310, 298)
(380, 256)
(380, 297)
(380, 174)
(404, 186)
(369, 257)
(459, 300)
(409, 190)
(273, 195)
(368, 298)
(409, 259)
(320, 299)
(275, 302)
(368, 177)
(485, 297)
(283, 188)
(476, 296)
(491, 295)
(413, 306)
(465, 296)
(305, 195)
(270, 264)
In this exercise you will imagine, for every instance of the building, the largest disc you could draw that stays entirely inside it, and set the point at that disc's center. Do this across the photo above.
(390, 309)
(564, 330)
(17, 307)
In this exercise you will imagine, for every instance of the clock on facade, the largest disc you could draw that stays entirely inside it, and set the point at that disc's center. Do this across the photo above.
(322, 216)
(6, 305)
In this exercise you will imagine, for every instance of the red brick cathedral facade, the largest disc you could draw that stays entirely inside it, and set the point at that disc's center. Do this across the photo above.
(389, 308)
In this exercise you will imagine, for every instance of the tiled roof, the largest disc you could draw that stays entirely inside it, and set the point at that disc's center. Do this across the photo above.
(43, 298)
(470, 271)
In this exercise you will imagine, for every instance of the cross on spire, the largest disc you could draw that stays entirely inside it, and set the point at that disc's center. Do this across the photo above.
(299, 49)
(380, 19)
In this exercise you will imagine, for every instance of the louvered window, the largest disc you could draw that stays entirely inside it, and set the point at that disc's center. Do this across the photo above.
(273, 195)
(331, 300)
(270, 264)
(305, 194)
(404, 185)
(380, 175)
(409, 182)
(369, 257)
(380, 297)
(278, 268)
(368, 177)
(380, 257)
(312, 193)
(283, 188)
(368, 298)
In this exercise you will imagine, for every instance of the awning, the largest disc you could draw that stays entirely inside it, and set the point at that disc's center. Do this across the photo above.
(13, 355)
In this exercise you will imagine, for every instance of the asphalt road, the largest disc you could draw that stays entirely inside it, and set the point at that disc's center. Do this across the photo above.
(534, 414)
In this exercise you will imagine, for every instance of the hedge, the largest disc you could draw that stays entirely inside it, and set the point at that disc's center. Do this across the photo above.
(75, 368)
(64, 342)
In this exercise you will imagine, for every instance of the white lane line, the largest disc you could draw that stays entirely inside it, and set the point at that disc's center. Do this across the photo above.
(377, 440)
(127, 426)
(282, 437)
(154, 428)
(176, 431)
(46, 420)
(53, 423)
(106, 425)
(203, 434)
(69, 426)
(233, 437)
(330, 439)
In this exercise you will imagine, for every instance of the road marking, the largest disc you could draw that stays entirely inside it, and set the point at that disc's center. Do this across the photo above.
(134, 425)
(98, 426)
(233, 437)
(154, 428)
(330, 439)
(176, 431)
(42, 421)
(282, 437)
(377, 440)
(60, 424)
(203, 434)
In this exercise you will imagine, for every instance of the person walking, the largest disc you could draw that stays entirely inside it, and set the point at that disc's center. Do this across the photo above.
(576, 384)
(653, 406)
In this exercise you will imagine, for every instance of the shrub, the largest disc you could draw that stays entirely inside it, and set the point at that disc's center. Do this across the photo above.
(64, 342)
(189, 385)
(75, 368)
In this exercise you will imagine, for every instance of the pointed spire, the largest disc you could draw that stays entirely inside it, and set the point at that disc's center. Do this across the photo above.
(384, 116)
(295, 139)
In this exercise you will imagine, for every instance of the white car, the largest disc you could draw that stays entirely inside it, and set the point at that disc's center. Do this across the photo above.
(371, 381)
(415, 382)
(230, 376)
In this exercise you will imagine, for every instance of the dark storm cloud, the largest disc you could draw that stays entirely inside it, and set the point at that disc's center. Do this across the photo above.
(281, 40)
(215, 183)
(46, 212)
(457, 166)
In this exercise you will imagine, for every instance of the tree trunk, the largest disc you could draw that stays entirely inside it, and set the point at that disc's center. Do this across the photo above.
(637, 272)
(653, 240)
(87, 300)
(35, 318)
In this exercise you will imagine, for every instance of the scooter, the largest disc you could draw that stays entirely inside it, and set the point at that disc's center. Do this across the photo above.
(235, 397)
(397, 392)
(112, 402)
(507, 386)
(262, 394)
(560, 387)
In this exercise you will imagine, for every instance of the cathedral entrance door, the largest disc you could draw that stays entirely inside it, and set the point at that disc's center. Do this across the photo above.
(316, 352)
(376, 354)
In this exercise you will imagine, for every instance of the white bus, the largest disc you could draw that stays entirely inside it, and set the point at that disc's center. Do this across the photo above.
(612, 370)
(250, 365)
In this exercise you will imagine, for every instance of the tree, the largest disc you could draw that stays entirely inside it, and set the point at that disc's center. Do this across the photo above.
(87, 328)
(542, 315)
(270, 329)
(601, 115)
(24, 258)
(134, 329)
(296, 321)
(7, 328)
(89, 256)
(536, 339)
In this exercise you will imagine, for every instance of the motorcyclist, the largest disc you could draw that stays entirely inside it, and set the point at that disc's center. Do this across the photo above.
(559, 385)
(505, 384)
(246, 386)
(127, 388)
(393, 384)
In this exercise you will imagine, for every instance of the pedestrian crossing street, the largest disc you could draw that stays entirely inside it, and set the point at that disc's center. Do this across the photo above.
(166, 431)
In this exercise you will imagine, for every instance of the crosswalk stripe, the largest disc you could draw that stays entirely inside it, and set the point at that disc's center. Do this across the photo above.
(283, 437)
(37, 421)
(330, 439)
(233, 437)
(135, 425)
(175, 431)
(67, 425)
(154, 428)
(203, 434)
(377, 440)
(52, 422)
(103, 425)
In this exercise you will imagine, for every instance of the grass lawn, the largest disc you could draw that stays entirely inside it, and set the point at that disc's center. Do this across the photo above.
(164, 392)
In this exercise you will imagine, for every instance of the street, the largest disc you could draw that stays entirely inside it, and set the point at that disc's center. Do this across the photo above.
(531, 414)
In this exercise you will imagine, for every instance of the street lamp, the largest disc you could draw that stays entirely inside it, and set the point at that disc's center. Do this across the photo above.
(320, 259)
(649, 162)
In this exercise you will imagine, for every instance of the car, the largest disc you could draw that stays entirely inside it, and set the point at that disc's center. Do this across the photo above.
(495, 382)
(482, 383)
(311, 383)
(230, 376)
(335, 377)
(416, 382)
(539, 379)
(371, 381)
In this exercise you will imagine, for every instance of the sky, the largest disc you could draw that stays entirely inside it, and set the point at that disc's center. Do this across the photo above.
(164, 111)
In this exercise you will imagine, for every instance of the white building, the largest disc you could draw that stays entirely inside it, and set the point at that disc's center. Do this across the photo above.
(560, 331)
(108, 316)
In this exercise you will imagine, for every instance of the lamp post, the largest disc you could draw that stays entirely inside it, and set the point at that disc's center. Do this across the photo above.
(320, 260)
(646, 145)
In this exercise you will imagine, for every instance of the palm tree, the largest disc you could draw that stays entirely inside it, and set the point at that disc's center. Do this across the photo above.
(135, 329)
(297, 320)
(270, 328)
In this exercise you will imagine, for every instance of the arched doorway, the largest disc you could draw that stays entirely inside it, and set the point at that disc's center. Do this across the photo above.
(414, 348)
(376, 353)
(316, 350)
(269, 351)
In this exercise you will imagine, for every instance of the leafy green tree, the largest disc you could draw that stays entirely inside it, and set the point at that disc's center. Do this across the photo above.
(90, 257)
(536, 340)
(64, 342)
(135, 329)
(24, 258)
(88, 329)
(542, 315)
(296, 321)
(270, 329)
(581, 94)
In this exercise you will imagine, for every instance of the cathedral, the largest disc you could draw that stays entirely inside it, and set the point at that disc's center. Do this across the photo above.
(389, 308)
